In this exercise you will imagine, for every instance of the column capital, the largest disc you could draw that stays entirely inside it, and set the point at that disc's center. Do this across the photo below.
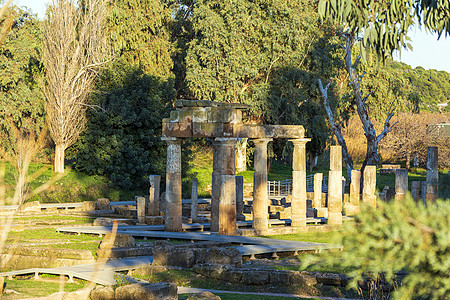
(171, 140)
(262, 140)
(299, 142)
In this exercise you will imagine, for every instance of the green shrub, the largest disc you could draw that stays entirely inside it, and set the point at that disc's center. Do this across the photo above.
(400, 236)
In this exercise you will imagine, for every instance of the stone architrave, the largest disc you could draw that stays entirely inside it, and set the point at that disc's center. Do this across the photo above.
(154, 190)
(369, 185)
(140, 205)
(223, 200)
(317, 201)
(260, 197)
(240, 198)
(401, 184)
(298, 202)
(335, 186)
(353, 207)
(415, 190)
(194, 200)
(173, 215)
(432, 174)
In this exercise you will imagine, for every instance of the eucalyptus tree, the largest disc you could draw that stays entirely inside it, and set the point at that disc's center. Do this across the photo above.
(380, 26)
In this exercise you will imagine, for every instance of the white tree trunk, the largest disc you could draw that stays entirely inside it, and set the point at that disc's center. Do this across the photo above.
(241, 155)
(59, 158)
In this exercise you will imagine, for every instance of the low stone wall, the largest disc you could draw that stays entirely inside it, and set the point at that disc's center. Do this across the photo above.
(264, 276)
(20, 257)
(186, 256)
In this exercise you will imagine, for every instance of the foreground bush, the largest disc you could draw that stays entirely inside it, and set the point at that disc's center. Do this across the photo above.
(400, 236)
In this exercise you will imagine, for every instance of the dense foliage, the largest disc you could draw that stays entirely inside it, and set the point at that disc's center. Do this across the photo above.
(263, 53)
(122, 140)
(22, 109)
(400, 236)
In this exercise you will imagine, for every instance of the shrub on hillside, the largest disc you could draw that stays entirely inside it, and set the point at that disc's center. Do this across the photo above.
(399, 236)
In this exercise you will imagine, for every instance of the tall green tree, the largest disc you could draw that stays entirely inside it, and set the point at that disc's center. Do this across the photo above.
(22, 103)
(260, 53)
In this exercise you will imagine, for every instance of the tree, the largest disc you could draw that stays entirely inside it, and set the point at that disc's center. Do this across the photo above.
(74, 50)
(260, 53)
(22, 103)
(6, 21)
(397, 236)
(122, 141)
(379, 26)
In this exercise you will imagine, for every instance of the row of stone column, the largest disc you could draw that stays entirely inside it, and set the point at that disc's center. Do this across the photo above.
(429, 188)
(223, 200)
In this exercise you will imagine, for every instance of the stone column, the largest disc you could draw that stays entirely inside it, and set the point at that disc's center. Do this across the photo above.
(298, 203)
(260, 197)
(140, 205)
(173, 215)
(369, 185)
(317, 202)
(335, 186)
(194, 199)
(223, 200)
(415, 190)
(432, 174)
(154, 192)
(355, 194)
(401, 184)
(424, 192)
(240, 198)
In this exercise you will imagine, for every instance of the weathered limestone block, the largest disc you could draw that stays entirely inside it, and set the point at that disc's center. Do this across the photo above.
(103, 204)
(166, 254)
(335, 186)
(157, 220)
(215, 271)
(298, 203)
(88, 206)
(432, 174)
(240, 198)
(317, 201)
(154, 192)
(140, 205)
(329, 279)
(194, 199)
(281, 277)
(260, 197)
(33, 206)
(369, 185)
(303, 278)
(147, 291)
(173, 214)
(102, 222)
(401, 184)
(117, 241)
(102, 293)
(255, 277)
(353, 208)
(415, 189)
(224, 255)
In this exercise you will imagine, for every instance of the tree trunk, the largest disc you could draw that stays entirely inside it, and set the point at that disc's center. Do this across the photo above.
(241, 155)
(59, 158)
(408, 160)
(336, 130)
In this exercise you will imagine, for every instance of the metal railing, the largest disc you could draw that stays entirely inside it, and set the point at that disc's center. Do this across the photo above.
(284, 187)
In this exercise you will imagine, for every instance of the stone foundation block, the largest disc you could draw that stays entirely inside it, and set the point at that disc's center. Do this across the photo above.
(149, 291)
(278, 277)
(33, 206)
(102, 293)
(166, 254)
(88, 206)
(103, 204)
(204, 296)
(117, 241)
(255, 277)
(215, 271)
(154, 220)
(224, 255)
(329, 279)
(321, 212)
(303, 278)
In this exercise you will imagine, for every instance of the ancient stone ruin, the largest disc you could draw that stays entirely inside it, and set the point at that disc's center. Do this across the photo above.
(222, 122)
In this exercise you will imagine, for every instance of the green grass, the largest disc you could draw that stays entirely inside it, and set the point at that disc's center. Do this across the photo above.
(315, 237)
(46, 233)
(37, 288)
(72, 187)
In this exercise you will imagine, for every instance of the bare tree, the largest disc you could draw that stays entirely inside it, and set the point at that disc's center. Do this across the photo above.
(74, 52)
